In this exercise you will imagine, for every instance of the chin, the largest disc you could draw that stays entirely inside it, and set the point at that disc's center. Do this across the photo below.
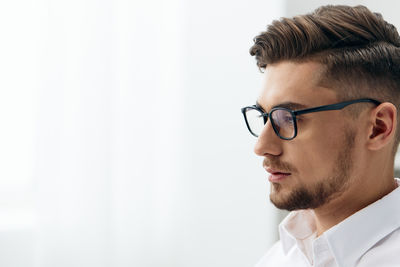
(296, 199)
(279, 201)
(284, 205)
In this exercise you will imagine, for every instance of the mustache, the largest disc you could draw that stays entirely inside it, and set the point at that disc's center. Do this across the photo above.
(275, 163)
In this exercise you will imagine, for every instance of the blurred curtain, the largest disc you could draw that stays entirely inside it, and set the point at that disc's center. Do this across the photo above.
(93, 98)
(122, 142)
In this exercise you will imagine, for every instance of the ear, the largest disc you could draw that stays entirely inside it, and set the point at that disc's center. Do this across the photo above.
(383, 130)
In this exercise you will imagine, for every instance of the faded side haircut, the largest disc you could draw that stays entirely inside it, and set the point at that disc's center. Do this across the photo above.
(359, 49)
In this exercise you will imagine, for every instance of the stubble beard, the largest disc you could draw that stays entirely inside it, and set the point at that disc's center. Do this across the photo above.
(323, 191)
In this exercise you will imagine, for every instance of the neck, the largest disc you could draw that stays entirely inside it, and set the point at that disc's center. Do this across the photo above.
(351, 201)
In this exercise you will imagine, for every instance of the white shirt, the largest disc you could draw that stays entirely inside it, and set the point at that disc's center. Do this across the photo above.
(368, 238)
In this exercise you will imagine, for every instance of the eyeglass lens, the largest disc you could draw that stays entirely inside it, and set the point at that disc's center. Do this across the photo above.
(255, 121)
(282, 122)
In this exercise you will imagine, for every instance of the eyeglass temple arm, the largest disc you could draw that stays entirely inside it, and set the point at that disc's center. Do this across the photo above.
(337, 106)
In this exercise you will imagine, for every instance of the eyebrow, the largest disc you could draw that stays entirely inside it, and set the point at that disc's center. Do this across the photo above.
(288, 105)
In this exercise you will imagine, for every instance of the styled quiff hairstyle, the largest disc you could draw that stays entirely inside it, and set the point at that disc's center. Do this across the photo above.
(359, 50)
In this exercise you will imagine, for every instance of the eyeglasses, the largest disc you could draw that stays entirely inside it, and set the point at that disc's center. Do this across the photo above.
(283, 120)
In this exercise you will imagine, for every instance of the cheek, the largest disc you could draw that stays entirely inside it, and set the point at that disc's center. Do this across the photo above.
(313, 162)
(315, 153)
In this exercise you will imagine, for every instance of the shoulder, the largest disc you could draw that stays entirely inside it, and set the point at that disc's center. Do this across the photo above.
(385, 253)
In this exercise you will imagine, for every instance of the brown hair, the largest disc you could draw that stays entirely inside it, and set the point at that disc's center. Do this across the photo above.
(359, 49)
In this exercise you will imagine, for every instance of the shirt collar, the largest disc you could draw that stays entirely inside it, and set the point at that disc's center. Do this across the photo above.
(298, 225)
(351, 238)
(364, 229)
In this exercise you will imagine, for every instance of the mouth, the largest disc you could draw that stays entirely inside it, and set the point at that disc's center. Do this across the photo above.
(276, 175)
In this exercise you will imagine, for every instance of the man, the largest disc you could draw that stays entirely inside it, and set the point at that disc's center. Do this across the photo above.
(328, 130)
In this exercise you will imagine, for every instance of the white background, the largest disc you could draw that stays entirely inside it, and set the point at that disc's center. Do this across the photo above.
(122, 141)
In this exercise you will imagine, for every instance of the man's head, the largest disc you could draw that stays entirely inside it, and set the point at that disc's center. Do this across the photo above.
(335, 54)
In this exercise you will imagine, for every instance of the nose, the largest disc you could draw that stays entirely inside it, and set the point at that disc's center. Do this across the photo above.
(268, 143)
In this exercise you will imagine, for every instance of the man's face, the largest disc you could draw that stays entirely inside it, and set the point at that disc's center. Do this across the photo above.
(314, 167)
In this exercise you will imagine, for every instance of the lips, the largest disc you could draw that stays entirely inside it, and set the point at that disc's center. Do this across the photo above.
(276, 175)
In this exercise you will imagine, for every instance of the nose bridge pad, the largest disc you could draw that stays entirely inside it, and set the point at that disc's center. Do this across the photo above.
(265, 122)
(270, 125)
(268, 141)
(265, 119)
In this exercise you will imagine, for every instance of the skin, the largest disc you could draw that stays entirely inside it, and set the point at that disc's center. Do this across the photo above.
(337, 164)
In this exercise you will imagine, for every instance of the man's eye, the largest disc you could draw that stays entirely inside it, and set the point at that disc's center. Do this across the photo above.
(288, 119)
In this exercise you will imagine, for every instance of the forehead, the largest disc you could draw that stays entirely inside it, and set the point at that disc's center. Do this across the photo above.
(295, 83)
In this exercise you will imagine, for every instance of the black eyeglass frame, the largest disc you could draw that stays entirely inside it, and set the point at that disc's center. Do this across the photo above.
(265, 115)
